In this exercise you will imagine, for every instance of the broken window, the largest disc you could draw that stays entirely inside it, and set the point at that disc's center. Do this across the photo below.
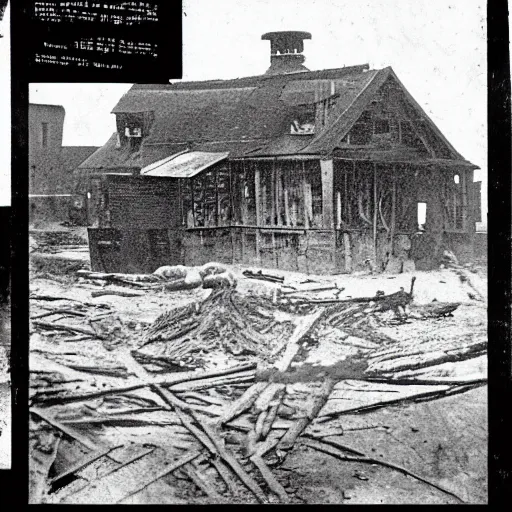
(456, 202)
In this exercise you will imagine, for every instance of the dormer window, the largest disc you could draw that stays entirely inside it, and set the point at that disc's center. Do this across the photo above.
(303, 123)
(133, 131)
(305, 128)
(133, 127)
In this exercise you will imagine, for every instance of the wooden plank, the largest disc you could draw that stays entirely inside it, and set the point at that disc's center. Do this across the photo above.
(69, 431)
(393, 207)
(257, 190)
(273, 194)
(375, 211)
(327, 171)
(307, 196)
(348, 252)
(286, 207)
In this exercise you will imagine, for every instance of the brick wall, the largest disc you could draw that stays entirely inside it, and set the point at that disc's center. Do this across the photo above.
(143, 202)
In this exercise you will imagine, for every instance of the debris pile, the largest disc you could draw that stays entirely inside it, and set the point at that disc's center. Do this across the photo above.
(238, 325)
(119, 413)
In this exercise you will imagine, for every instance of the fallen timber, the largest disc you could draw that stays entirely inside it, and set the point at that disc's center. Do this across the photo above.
(256, 413)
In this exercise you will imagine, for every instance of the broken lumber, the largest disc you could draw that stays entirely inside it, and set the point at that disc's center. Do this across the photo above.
(263, 401)
(211, 442)
(203, 484)
(100, 293)
(263, 277)
(305, 325)
(270, 479)
(82, 463)
(70, 432)
(313, 407)
(63, 327)
(271, 415)
(165, 382)
(243, 403)
(58, 312)
(248, 481)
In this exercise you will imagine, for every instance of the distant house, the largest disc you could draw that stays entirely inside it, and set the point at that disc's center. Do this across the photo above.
(318, 171)
(51, 164)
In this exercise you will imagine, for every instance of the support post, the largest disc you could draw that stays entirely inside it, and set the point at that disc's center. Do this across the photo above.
(392, 227)
(257, 184)
(273, 194)
(306, 196)
(375, 211)
(326, 167)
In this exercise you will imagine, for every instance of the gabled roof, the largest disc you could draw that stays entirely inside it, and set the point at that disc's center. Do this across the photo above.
(251, 117)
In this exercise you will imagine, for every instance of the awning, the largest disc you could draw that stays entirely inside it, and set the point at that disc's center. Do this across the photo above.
(183, 165)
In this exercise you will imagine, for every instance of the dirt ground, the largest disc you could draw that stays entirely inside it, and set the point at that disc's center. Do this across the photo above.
(442, 440)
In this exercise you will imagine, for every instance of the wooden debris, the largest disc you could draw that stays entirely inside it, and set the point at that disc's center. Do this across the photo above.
(70, 312)
(42, 454)
(264, 400)
(165, 382)
(101, 293)
(263, 276)
(304, 326)
(270, 479)
(243, 403)
(81, 464)
(62, 327)
(203, 484)
(313, 407)
(72, 433)
(213, 444)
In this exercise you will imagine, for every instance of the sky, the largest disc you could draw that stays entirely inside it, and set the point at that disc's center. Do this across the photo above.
(436, 47)
(5, 110)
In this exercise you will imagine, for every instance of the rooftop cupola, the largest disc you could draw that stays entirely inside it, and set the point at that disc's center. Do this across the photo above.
(286, 51)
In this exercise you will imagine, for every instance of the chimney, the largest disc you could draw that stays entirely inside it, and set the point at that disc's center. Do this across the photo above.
(286, 51)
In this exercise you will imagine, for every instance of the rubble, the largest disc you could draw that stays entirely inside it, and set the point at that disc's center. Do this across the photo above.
(221, 387)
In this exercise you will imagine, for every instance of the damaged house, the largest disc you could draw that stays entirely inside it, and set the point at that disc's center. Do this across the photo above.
(325, 171)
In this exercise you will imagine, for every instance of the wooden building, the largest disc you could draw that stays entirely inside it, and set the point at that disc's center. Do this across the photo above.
(317, 171)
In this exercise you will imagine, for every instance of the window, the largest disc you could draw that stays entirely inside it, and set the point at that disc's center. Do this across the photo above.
(44, 135)
(422, 215)
(456, 202)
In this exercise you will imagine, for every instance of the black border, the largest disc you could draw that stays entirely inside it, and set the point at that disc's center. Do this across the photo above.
(500, 244)
(166, 34)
